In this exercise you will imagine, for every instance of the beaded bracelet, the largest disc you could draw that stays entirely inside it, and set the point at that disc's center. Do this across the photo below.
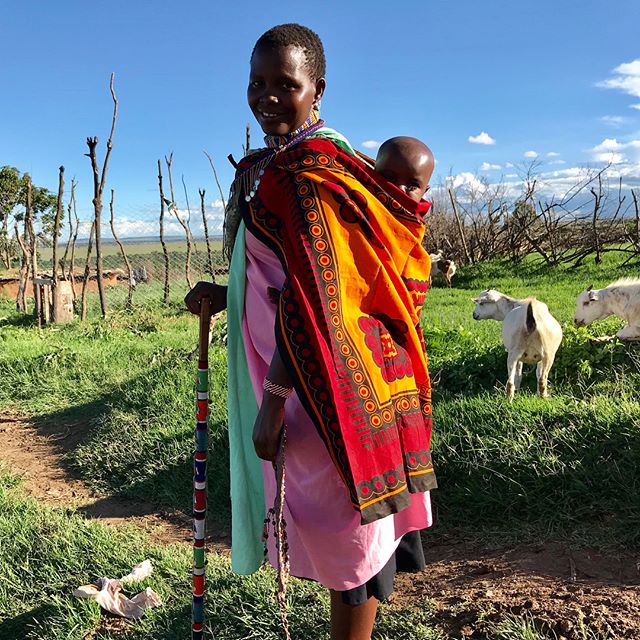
(276, 389)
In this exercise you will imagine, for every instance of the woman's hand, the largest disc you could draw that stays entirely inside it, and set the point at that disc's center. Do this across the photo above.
(268, 426)
(217, 293)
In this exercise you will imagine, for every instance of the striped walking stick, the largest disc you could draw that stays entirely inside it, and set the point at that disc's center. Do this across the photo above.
(200, 473)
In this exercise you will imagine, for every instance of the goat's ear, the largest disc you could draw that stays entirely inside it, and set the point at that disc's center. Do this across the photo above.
(475, 300)
(593, 296)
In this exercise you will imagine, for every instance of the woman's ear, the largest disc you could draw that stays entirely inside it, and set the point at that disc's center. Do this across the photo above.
(320, 87)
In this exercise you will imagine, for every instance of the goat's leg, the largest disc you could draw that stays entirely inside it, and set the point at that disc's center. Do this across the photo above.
(542, 374)
(512, 365)
(518, 377)
(629, 332)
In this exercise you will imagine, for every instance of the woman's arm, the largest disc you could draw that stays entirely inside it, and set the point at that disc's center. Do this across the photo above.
(268, 425)
(217, 293)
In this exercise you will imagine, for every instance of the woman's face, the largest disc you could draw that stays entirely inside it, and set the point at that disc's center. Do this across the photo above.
(281, 91)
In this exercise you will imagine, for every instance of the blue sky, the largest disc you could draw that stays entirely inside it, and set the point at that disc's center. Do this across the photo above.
(534, 77)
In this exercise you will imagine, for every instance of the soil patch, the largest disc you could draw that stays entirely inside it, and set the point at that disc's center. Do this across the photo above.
(562, 591)
(36, 454)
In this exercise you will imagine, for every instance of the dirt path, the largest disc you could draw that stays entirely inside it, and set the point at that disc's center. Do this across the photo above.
(559, 589)
(37, 456)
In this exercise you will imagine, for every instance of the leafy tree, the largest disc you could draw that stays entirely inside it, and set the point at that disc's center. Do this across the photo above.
(12, 201)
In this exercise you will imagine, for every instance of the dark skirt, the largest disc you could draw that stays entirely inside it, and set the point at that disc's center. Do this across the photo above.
(408, 558)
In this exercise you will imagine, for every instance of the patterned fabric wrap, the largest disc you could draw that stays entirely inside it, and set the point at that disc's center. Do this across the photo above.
(348, 319)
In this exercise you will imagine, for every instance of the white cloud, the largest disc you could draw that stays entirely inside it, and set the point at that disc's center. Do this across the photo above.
(557, 162)
(487, 166)
(508, 165)
(482, 138)
(626, 78)
(371, 144)
(614, 121)
(552, 154)
(466, 180)
(511, 175)
(614, 152)
(531, 154)
(145, 223)
(608, 144)
(635, 106)
(611, 157)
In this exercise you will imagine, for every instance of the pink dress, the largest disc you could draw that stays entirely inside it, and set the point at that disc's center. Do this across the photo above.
(327, 543)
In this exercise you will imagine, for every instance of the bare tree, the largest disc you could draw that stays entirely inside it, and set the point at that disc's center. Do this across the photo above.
(33, 249)
(63, 261)
(215, 175)
(98, 188)
(247, 140)
(634, 236)
(72, 266)
(124, 255)
(188, 220)
(87, 272)
(174, 209)
(165, 297)
(468, 258)
(597, 203)
(206, 231)
(23, 275)
(56, 233)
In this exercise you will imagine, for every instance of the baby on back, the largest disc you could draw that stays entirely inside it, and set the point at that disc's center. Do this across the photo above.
(407, 163)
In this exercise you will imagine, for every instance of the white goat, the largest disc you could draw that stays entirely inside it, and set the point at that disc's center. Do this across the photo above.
(442, 266)
(621, 298)
(529, 333)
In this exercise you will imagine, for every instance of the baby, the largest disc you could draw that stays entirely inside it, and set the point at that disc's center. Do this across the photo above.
(407, 163)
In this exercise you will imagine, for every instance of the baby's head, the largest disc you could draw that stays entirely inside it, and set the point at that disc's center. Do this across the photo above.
(407, 163)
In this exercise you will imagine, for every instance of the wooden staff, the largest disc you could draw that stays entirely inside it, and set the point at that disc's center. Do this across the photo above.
(200, 474)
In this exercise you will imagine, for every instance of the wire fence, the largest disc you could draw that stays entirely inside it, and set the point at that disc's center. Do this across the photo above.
(151, 277)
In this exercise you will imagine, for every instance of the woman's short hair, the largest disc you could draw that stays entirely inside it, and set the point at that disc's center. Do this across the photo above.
(292, 34)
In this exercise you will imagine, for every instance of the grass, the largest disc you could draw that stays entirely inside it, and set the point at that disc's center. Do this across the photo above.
(47, 553)
(562, 468)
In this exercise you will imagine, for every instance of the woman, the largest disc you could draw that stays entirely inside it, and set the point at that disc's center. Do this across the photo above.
(336, 353)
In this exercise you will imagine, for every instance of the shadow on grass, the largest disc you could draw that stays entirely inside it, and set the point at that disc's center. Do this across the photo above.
(25, 625)
(135, 444)
(16, 319)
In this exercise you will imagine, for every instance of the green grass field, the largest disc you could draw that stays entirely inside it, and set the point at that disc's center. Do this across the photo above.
(565, 468)
(135, 247)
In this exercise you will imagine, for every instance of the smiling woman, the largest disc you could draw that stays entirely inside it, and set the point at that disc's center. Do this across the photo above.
(336, 352)
(284, 85)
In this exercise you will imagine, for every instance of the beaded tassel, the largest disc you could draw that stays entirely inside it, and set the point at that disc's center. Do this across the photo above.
(275, 519)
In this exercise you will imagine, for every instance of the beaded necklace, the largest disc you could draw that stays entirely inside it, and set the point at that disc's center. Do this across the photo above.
(251, 176)
(246, 183)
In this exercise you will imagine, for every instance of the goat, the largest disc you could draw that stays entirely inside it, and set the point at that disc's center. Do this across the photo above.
(621, 298)
(529, 333)
(442, 266)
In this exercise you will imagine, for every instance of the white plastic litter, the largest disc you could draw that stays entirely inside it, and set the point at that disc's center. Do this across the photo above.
(107, 593)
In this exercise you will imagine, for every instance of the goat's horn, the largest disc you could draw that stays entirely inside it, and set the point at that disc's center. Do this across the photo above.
(590, 287)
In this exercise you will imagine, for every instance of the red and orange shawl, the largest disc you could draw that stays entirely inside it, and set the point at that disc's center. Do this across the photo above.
(348, 320)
